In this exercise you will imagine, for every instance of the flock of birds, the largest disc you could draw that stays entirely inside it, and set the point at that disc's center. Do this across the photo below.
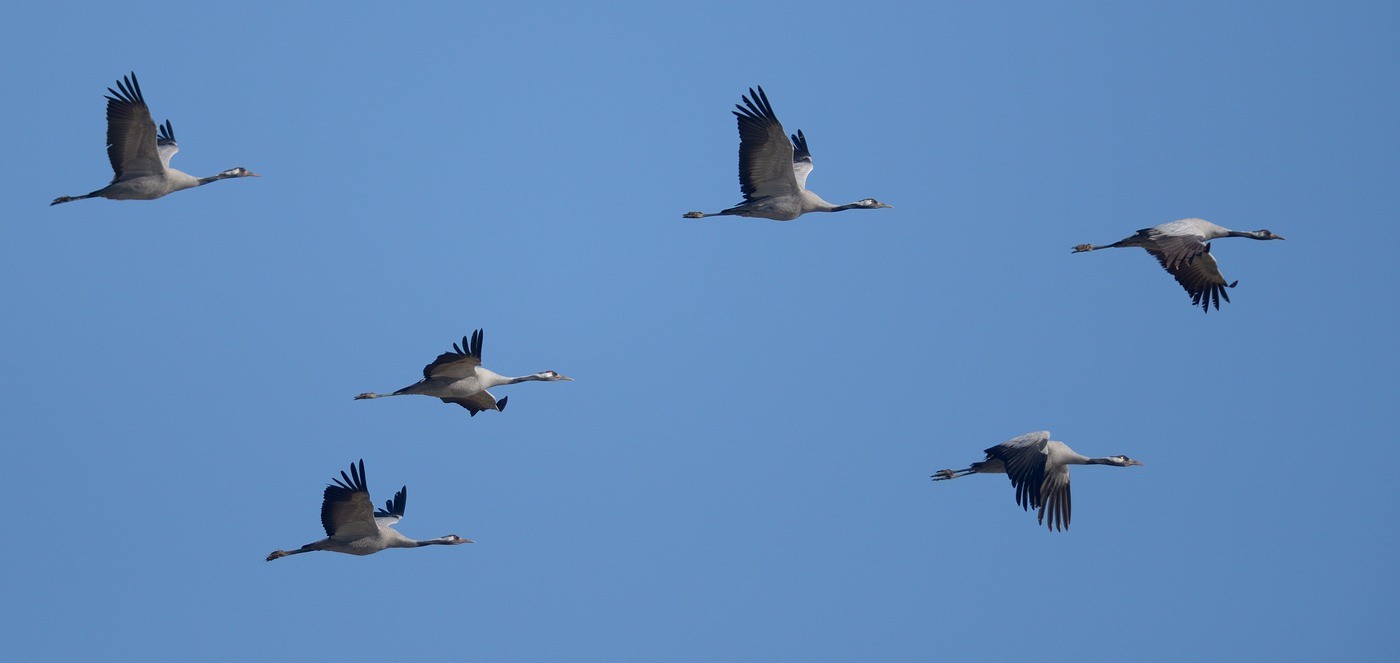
(773, 170)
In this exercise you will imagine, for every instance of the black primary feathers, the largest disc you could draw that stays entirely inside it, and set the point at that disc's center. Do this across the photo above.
(394, 507)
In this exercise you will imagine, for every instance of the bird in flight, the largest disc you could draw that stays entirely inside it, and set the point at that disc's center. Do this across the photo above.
(458, 377)
(355, 527)
(772, 170)
(1183, 249)
(1039, 471)
(140, 151)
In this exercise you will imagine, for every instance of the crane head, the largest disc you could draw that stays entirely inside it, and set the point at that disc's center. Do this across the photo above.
(1265, 234)
(1123, 461)
(871, 203)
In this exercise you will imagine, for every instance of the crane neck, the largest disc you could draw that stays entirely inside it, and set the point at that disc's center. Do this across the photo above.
(213, 178)
(1101, 461)
(525, 378)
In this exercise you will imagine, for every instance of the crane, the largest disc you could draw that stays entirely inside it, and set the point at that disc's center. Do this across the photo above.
(772, 171)
(458, 377)
(1183, 249)
(1039, 471)
(140, 151)
(355, 527)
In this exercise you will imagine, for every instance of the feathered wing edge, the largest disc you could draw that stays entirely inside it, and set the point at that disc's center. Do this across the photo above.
(468, 349)
(394, 507)
(1200, 276)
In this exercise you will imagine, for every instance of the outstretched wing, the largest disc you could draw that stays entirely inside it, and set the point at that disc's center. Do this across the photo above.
(765, 155)
(801, 159)
(346, 511)
(166, 146)
(1054, 499)
(459, 363)
(1173, 250)
(1200, 276)
(479, 402)
(131, 133)
(1024, 458)
(393, 509)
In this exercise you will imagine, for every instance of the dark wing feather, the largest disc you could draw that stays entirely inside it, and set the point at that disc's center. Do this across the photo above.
(801, 159)
(765, 155)
(1200, 276)
(459, 363)
(1024, 458)
(131, 133)
(1172, 250)
(799, 147)
(1054, 500)
(478, 402)
(346, 511)
(166, 147)
(394, 507)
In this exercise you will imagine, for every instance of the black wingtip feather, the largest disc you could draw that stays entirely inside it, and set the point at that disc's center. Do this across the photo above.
(755, 106)
(128, 91)
(501, 404)
(395, 505)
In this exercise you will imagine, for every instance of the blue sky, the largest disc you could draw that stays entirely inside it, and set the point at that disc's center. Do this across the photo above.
(740, 471)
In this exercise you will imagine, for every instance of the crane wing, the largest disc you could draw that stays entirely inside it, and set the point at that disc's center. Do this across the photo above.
(1173, 250)
(1025, 459)
(801, 159)
(166, 146)
(131, 133)
(1200, 276)
(393, 509)
(346, 511)
(458, 364)
(479, 402)
(765, 155)
(1054, 499)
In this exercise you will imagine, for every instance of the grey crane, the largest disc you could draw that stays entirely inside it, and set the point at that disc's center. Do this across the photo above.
(140, 151)
(1183, 249)
(772, 170)
(355, 527)
(458, 377)
(1039, 471)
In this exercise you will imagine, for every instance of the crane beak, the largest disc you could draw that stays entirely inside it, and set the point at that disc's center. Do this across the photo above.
(1135, 462)
(886, 205)
(566, 378)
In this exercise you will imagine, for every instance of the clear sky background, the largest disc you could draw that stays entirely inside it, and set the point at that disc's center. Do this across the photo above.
(741, 470)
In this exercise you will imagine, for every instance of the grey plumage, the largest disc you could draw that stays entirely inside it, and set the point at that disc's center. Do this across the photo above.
(352, 524)
(140, 152)
(1039, 471)
(458, 377)
(773, 168)
(1183, 249)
